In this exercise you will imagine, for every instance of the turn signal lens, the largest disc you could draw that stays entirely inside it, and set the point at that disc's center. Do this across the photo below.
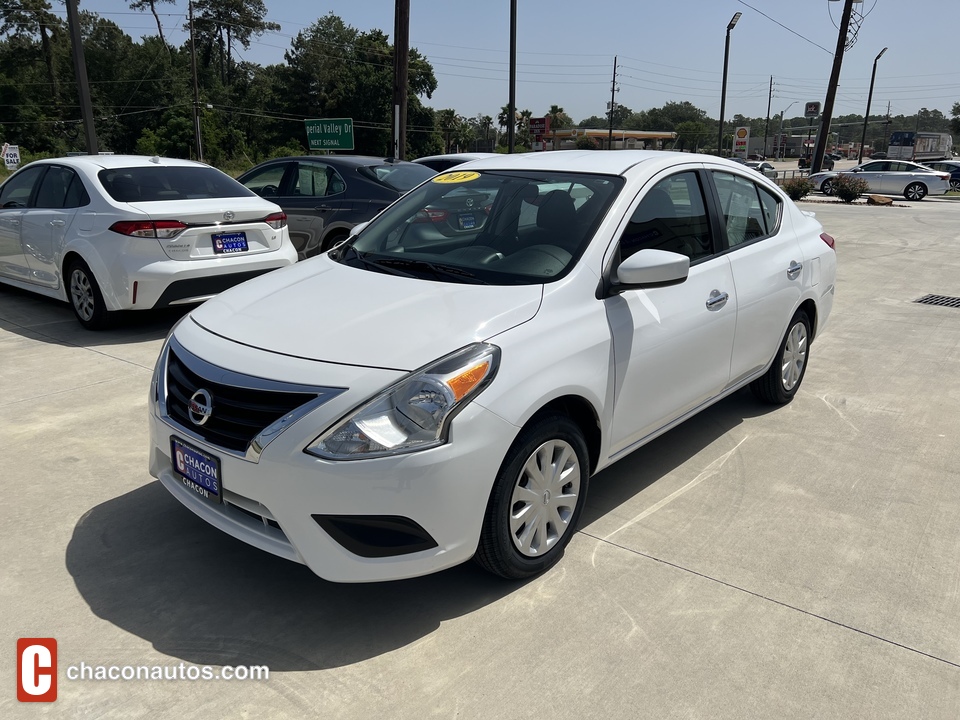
(828, 239)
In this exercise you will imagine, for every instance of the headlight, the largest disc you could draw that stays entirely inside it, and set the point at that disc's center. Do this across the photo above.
(415, 413)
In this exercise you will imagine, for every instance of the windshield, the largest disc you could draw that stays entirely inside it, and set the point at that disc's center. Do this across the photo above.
(494, 227)
(398, 176)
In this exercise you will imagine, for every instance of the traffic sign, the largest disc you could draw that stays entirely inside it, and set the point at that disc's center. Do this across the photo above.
(330, 134)
(812, 109)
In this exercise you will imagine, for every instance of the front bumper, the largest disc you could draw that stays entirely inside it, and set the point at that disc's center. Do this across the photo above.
(281, 501)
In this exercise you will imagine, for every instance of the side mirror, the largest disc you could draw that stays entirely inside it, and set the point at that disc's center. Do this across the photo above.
(357, 229)
(652, 268)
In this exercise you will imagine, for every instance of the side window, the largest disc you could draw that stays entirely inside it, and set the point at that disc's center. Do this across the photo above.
(53, 188)
(317, 180)
(671, 216)
(745, 218)
(16, 192)
(771, 210)
(266, 182)
(76, 193)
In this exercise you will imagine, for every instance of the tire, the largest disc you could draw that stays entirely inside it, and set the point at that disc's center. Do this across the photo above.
(827, 186)
(781, 382)
(955, 185)
(85, 297)
(532, 515)
(915, 191)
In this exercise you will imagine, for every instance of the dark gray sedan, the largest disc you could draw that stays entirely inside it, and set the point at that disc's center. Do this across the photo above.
(326, 195)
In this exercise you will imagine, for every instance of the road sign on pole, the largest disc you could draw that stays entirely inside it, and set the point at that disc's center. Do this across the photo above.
(812, 109)
(330, 134)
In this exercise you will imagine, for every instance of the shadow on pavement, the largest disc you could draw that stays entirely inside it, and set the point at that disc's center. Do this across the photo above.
(146, 564)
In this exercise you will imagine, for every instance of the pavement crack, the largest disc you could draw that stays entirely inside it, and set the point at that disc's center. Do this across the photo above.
(774, 601)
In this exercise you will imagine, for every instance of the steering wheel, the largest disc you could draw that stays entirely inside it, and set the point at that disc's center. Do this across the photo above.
(268, 190)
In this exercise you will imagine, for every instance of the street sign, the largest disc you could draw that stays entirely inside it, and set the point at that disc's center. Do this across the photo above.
(539, 126)
(330, 134)
(11, 156)
(812, 109)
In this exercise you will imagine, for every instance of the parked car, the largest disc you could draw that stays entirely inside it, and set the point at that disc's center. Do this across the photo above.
(326, 195)
(878, 156)
(764, 168)
(462, 388)
(118, 232)
(804, 162)
(757, 156)
(948, 166)
(445, 162)
(890, 177)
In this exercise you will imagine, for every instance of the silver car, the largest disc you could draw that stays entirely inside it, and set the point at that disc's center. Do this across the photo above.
(890, 177)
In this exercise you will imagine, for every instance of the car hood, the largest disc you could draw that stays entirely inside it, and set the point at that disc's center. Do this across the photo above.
(321, 310)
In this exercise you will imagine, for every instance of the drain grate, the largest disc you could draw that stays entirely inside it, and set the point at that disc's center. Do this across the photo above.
(941, 300)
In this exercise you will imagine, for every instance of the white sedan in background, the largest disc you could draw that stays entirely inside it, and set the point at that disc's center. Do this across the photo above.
(890, 177)
(117, 232)
(487, 343)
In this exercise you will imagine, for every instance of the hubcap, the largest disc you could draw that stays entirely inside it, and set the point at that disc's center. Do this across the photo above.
(82, 294)
(544, 498)
(914, 192)
(794, 356)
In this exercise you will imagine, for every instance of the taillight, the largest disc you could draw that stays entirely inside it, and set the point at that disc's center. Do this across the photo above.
(163, 229)
(828, 239)
(430, 215)
(276, 220)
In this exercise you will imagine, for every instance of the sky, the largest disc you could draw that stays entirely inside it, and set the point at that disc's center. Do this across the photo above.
(665, 51)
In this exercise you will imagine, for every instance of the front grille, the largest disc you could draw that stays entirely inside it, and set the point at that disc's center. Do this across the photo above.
(941, 300)
(238, 413)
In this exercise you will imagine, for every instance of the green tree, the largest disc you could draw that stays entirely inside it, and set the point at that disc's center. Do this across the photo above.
(558, 121)
(26, 17)
(220, 23)
(955, 122)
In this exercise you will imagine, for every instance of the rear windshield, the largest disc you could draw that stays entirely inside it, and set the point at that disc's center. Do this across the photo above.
(153, 184)
(398, 176)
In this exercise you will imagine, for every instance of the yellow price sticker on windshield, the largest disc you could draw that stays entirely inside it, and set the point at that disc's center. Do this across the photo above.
(457, 177)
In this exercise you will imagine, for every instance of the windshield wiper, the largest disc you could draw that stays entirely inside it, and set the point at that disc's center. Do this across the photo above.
(439, 270)
(366, 262)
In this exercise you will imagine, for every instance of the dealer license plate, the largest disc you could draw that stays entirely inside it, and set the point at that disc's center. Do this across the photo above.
(468, 221)
(227, 243)
(199, 471)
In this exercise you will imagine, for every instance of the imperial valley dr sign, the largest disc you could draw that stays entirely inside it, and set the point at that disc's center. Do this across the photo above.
(330, 134)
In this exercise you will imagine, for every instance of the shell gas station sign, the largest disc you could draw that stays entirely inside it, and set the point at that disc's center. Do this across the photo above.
(741, 138)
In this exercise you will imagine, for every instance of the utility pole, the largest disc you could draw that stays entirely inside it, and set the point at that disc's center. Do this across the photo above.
(80, 69)
(401, 50)
(766, 128)
(196, 89)
(613, 104)
(512, 104)
(816, 162)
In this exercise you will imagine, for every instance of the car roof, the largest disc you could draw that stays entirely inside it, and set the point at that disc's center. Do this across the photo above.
(465, 157)
(616, 162)
(342, 160)
(96, 163)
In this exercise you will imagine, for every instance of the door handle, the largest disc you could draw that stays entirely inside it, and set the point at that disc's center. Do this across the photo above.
(57, 223)
(717, 300)
(15, 223)
(794, 270)
(323, 208)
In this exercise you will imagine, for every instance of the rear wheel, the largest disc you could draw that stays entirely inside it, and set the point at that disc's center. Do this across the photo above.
(915, 191)
(536, 499)
(85, 296)
(782, 380)
(955, 184)
(332, 240)
(827, 187)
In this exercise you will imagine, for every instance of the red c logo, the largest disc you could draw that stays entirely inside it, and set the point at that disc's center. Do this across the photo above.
(36, 669)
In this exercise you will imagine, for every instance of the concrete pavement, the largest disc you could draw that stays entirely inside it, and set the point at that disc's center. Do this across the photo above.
(798, 562)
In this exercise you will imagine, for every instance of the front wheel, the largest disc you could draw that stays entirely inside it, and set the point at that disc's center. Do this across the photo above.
(955, 184)
(827, 187)
(781, 382)
(85, 297)
(536, 499)
(915, 191)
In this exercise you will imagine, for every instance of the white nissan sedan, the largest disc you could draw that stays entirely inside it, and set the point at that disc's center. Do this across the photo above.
(118, 232)
(442, 385)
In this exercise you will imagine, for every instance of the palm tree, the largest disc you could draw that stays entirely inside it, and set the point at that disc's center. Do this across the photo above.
(558, 120)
